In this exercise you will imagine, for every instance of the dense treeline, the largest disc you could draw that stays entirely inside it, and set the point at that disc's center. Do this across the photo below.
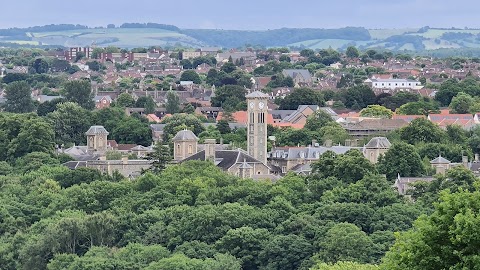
(195, 215)
(45, 28)
(277, 37)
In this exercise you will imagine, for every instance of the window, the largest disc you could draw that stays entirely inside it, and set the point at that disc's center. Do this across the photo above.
(252, 117)
(178, 148)
(261, 118)
(190, 149)
(284, 169)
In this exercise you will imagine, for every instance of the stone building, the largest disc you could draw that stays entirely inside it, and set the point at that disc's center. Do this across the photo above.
(298, 159)
(257, 113)
(93, 155)
(249, 164)
(185, 144)
(97, 140)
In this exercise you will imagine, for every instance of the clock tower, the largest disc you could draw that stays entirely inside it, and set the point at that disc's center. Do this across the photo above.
(257, 125)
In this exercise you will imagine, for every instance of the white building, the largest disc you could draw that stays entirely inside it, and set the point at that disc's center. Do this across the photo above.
(394, 84)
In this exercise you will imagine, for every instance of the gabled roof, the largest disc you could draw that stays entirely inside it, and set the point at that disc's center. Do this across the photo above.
(296, 72)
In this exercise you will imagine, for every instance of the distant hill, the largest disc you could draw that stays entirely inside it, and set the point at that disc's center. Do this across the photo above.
(131, 35)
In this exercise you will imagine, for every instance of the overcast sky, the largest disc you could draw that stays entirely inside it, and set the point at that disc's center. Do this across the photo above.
(245, 14)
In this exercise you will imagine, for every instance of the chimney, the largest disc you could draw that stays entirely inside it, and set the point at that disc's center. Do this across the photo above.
(210, 149)
(476, 157)
(328, 143)
(465, 161)
(314, 143)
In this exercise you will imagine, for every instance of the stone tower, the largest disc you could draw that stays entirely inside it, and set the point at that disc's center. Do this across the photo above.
(185, 144)
(257, 125)
(97, 140)
(375, 147)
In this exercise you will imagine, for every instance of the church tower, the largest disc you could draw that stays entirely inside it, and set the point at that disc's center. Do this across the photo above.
(257, 125)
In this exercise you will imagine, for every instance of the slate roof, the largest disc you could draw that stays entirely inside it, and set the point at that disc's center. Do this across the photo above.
(72, 165)
(293, 153)
(94, 130)
(440, 160)
(377, 124)
(257, 94)
(185, 135)
(378, 142)
(225, 159)
(295, 72)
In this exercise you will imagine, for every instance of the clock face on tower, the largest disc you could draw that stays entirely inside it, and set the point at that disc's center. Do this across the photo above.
(252, 105)
(261, 105)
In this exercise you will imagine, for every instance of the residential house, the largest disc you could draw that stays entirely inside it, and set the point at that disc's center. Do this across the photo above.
(102, 101)
(301, 77)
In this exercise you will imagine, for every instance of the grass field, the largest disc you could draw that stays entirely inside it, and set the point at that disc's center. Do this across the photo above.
(436, 33)
(385, 33)
(323, 43)
(121, 37)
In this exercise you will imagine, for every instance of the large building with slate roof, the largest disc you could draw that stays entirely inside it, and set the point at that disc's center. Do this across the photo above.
(298, 159)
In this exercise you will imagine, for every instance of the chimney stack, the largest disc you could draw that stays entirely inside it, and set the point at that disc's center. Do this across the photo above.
(210, 149)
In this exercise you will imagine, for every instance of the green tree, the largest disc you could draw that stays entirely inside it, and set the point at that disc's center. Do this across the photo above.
(422, 130)
(318, 120)
(334, 132)
(79, 91)
(18, 97)
(70, 122)
(181, 120)
(401, 159)
(230, 98)
(461, 103)
(223, 127)
(358, 97)
(344, 266)
(352, 52)
(146, 102)
(173, 103)
(188, 109)
(244, 243)
(160, 157)
(191, 75)
(345, 242)
(284, 252)
(125, 100)
(417, 108)
(133, 131)
(228, 67)
(376, 111)
(352, 166)
(301, 96)
(446, 239)
(40, 66)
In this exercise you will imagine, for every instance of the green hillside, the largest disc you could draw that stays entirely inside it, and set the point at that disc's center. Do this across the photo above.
(132, 35)
(120, 37)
